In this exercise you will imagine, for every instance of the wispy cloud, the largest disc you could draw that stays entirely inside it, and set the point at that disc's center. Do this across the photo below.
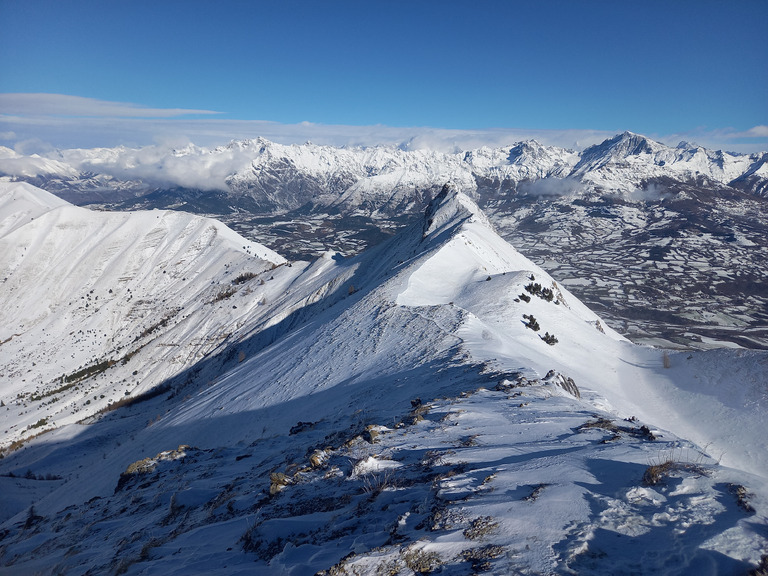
(38, 122)
(65, 105)
(754, 139)
(37, 132)
(754, 132)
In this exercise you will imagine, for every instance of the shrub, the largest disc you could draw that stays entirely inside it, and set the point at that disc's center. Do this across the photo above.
(537, 290)
(742, 498)
(535, 493)
(549, 338)
(600, 422)
(655, 473)
(32, 518)
(223, 294)
(278, 481)
(376, 483)
(533, 288)
(420, 561)
(244, 277)
(481, 557)
(532, 323)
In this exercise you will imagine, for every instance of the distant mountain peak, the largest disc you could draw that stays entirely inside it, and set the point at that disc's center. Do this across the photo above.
(628, 144)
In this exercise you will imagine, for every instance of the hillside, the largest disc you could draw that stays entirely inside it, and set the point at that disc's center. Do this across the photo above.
(99, 307)
(438, 403)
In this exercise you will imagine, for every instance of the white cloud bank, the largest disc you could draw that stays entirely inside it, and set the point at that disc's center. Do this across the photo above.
(39, 122)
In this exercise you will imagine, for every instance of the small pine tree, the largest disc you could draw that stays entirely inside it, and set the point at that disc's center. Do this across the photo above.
(549, 338)
(532, 323)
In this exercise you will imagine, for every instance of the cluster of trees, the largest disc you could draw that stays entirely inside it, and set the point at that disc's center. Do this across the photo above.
(537, 290)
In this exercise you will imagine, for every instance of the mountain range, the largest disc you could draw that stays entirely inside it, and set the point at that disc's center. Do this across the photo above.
(178, 399)
(667, 243)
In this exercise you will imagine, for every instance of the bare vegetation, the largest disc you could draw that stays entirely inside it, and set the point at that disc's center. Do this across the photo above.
(656, 473)
(244, 277)
(481, 527)
(481, 557)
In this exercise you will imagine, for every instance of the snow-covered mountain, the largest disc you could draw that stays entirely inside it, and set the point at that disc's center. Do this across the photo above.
(628, 160)
(278, 178)
(100, 306)
(438, 403)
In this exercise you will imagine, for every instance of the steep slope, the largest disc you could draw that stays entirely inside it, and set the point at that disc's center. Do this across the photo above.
(754, 180)
(85, 294)
(436, 403)
(21, 203)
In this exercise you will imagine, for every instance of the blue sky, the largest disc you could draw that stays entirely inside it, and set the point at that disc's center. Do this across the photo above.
(670, 70)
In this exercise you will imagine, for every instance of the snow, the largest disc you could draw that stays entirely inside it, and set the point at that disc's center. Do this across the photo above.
(387, 176)
(451, 434)
(20, 203)
(100, 285)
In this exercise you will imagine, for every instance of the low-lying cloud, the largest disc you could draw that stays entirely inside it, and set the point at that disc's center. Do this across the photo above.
(550, 187)
(193, 168)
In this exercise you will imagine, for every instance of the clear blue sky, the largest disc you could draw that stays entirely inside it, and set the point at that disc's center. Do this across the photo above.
(653, 67)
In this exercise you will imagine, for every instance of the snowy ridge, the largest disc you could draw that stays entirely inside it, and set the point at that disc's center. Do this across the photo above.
(407, 410)
(20, 203)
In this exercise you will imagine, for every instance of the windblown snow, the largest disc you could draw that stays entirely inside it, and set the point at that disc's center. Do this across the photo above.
(437, 403)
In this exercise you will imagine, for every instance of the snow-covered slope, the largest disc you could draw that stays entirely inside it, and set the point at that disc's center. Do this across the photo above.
(438, 402)
(100, 306)
(21, 203)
